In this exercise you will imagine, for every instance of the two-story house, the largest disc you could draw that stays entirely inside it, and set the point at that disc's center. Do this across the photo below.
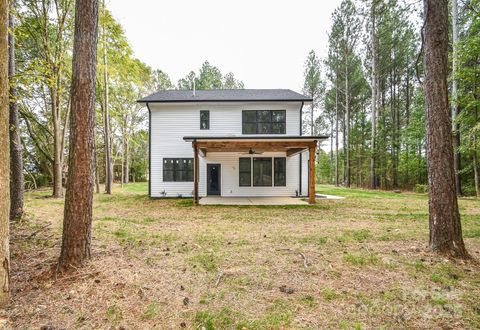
(231, 143)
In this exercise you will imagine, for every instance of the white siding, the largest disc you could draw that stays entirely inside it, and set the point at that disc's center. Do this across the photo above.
(230, 175)
(171, 122)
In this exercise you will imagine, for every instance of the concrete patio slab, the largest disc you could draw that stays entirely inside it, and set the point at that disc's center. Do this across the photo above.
(217, 200)
(323, 196)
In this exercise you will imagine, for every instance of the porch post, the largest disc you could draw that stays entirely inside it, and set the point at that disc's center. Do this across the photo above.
(311, 174)
(195, 173)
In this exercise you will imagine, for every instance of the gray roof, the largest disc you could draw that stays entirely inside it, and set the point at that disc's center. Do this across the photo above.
(257, 137)
(225, 95)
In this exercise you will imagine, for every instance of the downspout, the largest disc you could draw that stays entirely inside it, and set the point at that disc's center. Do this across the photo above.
(300, 155)
(149, 151)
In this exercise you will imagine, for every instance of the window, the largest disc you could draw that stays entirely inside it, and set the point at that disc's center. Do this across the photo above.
(280, 171)
(245, 170)
(204, 119)
(262, 172)
(263, 121)
(178, 169)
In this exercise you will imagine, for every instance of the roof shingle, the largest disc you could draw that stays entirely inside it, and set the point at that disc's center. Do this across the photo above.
(225, 95)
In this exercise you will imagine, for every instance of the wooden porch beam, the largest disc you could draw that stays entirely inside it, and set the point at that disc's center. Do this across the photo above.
(311, 175)
(266, 145)
(195, 173)
(294, 151)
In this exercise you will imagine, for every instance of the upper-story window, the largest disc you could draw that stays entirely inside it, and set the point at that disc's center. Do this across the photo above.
(204, 119)
(263, 122)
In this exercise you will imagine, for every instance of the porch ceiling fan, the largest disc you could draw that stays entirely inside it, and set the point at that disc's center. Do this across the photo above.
(252, 152)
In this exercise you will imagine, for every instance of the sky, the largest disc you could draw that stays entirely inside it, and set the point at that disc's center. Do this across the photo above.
(263, 42)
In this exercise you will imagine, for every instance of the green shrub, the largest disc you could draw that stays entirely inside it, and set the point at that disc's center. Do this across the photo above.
(468, 190)
(36, 180)
(421, 188)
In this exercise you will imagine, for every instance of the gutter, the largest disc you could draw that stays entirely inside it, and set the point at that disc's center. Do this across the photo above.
(221, 101)
(149, 151)
(255, 137)
(300, 155)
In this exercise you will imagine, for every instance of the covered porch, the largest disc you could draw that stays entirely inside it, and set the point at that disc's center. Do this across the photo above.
(288, 145)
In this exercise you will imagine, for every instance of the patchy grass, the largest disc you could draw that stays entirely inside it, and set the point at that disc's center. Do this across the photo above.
(356, 263)
(329, 294)
(207, 261)
(153, 310)
(222, 319)
(360, 259)
(114, 314)
(362, 193)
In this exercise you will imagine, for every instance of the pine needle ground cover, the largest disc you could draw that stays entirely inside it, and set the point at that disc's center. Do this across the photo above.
(356, 263)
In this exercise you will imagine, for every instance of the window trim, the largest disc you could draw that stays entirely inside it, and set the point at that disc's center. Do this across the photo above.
(175, 170)
(270, 122)
(208, 119)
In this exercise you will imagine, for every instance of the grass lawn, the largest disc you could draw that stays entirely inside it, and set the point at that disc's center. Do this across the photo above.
(356, 263)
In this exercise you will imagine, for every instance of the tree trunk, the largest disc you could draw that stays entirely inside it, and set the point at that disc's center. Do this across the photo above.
(122, 168)
(336, 128)
(445, 227)
(455, 110)
(53, 54)
(57, 146)
(16, 159)
(331, 150)
(374, 97)
(362, 148)
(476, 176)
(126, 161)
(394, 129)
(97, 174)
(4, 158)
(108, 155)
(383, 182)
(344, 142)
(347, 120)
(407, 122)
(77, 222)
(312, 124)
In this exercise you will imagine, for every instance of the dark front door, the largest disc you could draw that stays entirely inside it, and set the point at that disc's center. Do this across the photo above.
(213, 179)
